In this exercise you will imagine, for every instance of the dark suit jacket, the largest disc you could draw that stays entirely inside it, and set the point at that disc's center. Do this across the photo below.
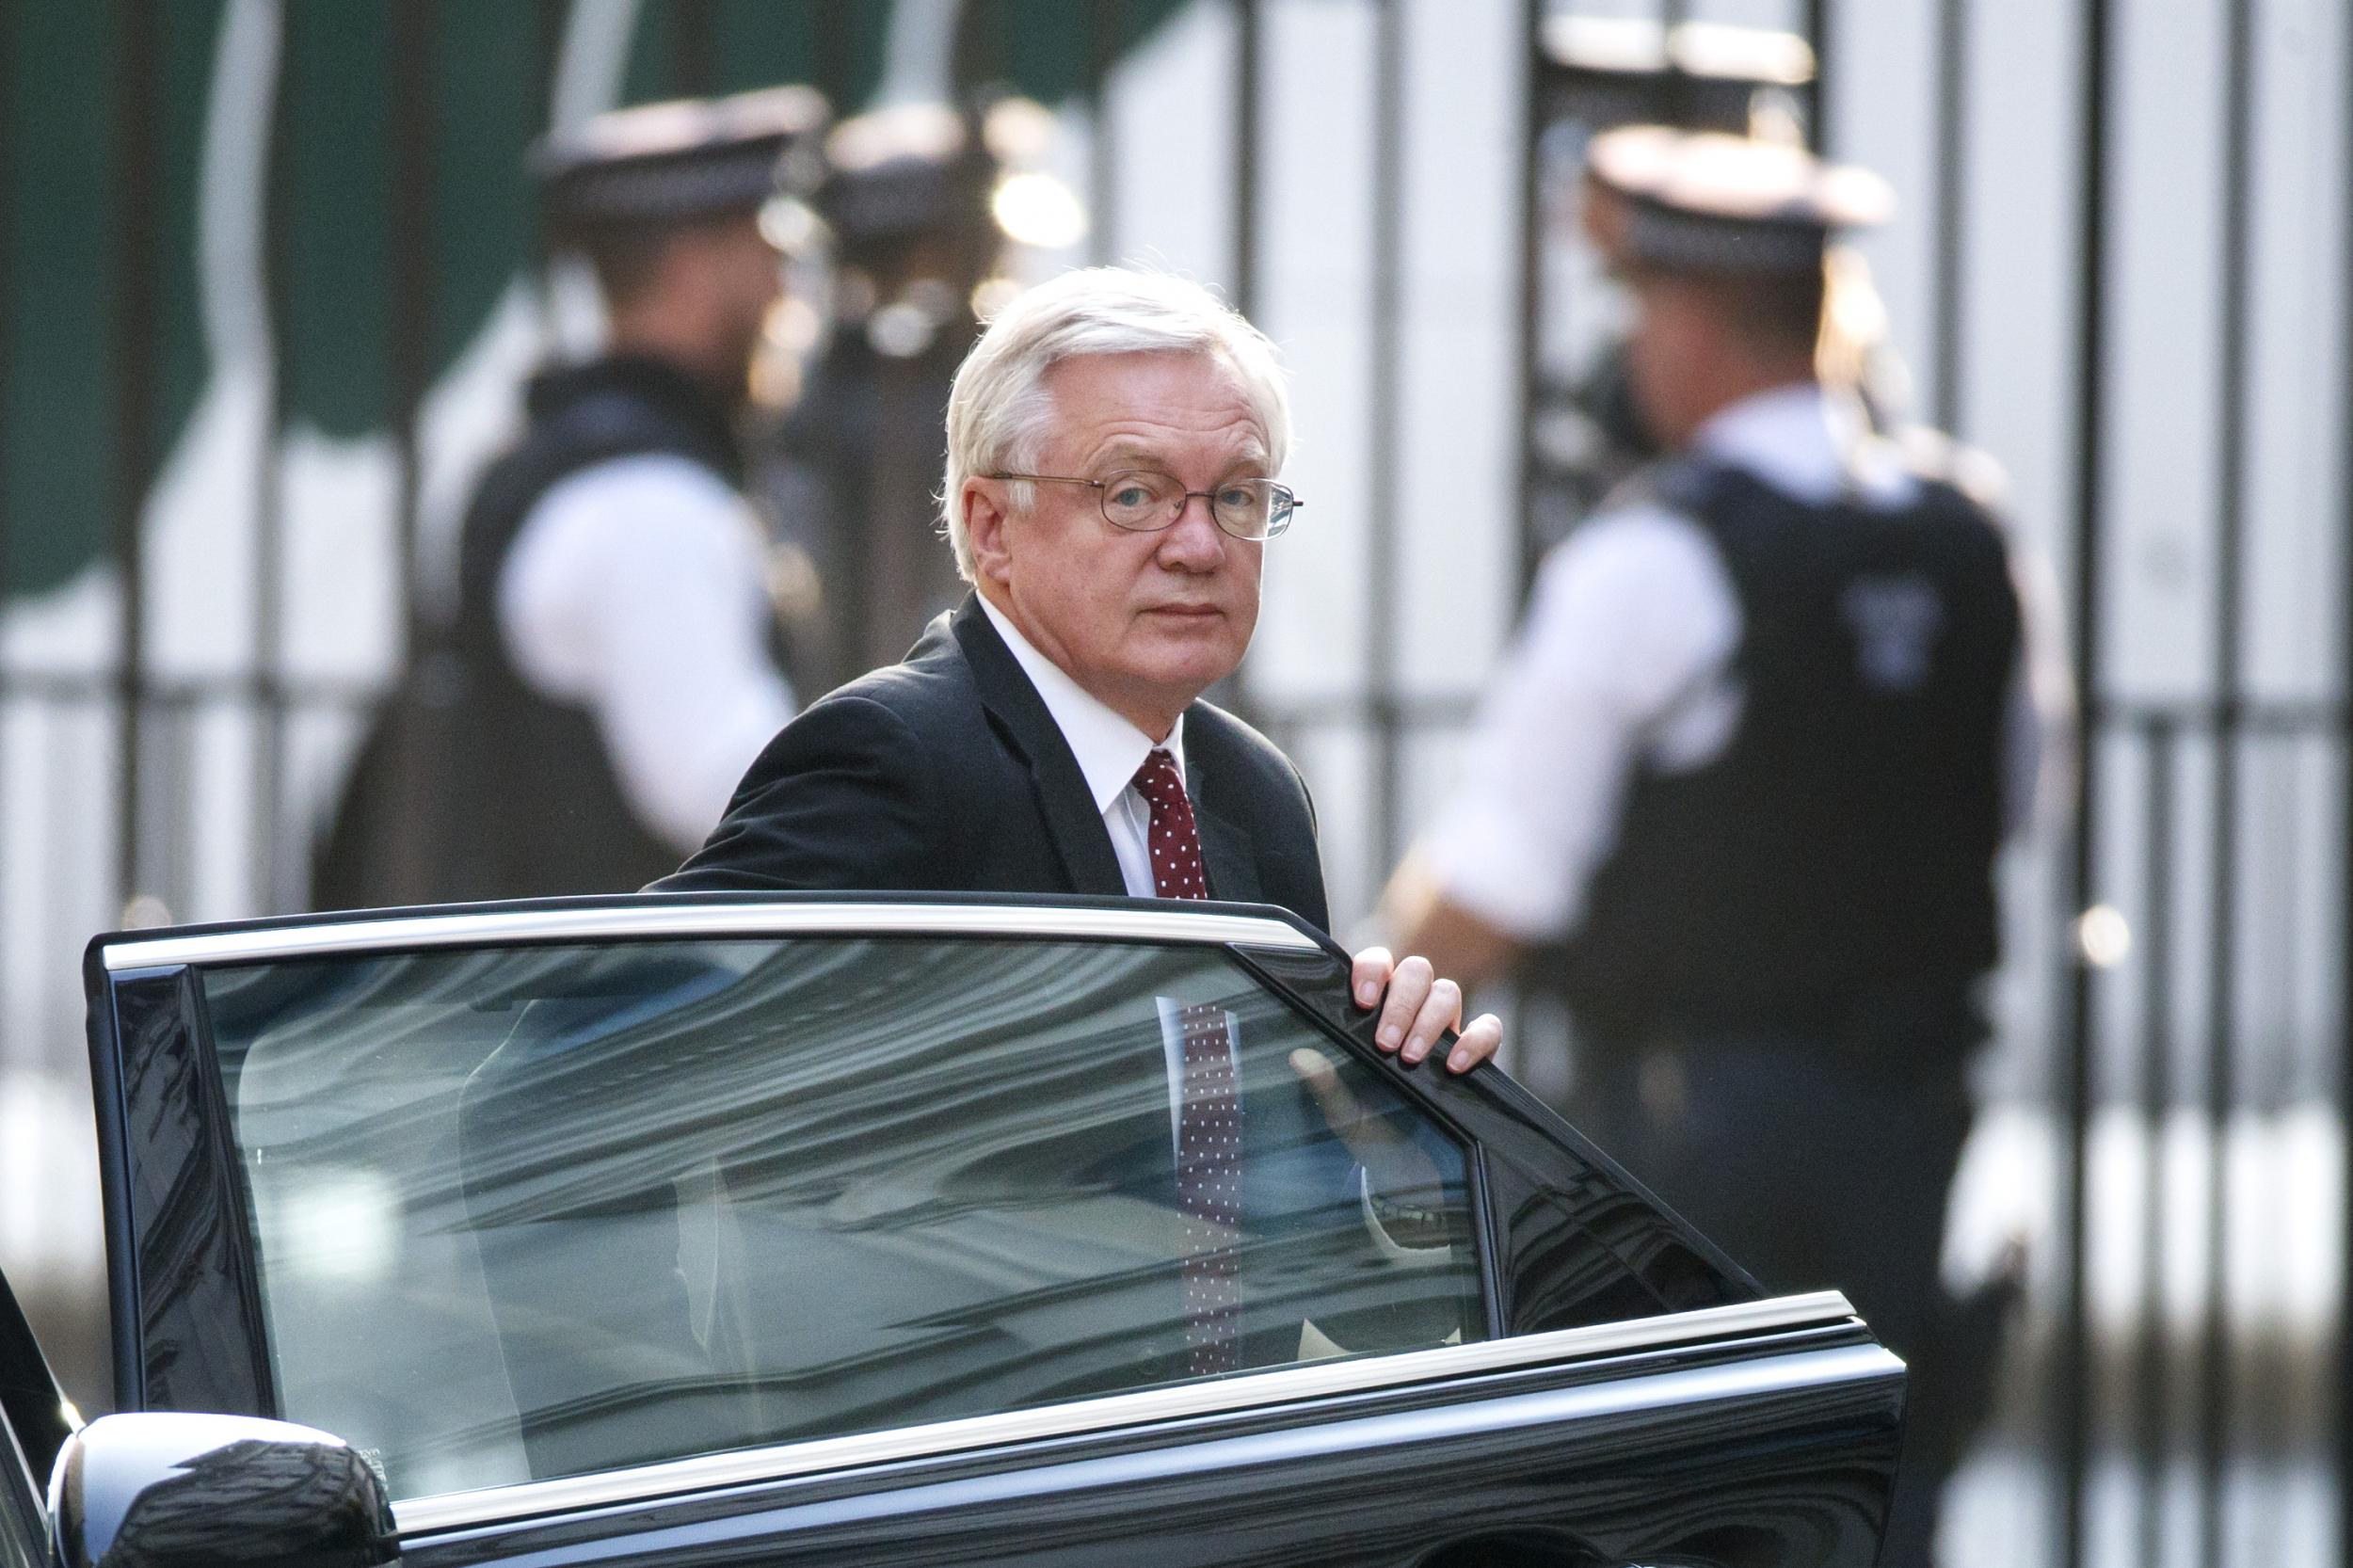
(947, 773)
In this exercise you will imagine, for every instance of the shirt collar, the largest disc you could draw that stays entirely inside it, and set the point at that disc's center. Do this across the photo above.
(1108, 748)
(1800, 439)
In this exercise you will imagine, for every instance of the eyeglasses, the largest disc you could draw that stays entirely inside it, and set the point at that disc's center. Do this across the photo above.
(1143, 502)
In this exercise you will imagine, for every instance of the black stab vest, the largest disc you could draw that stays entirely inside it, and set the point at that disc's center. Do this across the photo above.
(1832, 873)
(473, 784)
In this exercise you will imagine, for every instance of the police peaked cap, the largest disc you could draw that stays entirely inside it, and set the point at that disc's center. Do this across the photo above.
(676, 161)
(1707, 201)
(908, 169)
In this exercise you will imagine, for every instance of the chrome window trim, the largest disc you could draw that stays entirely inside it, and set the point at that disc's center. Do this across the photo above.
(410, 932)
(1284, 1386)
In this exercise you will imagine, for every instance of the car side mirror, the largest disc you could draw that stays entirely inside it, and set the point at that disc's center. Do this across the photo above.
(164, 1490)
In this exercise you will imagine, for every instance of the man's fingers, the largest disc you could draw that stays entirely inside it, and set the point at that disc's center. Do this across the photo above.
(1409, 989)
(1476, 1044)
(1440, 1010)
(1418, 1008)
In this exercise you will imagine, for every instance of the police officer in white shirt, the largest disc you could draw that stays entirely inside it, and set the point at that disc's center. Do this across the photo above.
(1741, 780)
(612, 667)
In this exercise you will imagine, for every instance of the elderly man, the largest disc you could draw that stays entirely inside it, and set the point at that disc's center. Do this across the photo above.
(1113, 445)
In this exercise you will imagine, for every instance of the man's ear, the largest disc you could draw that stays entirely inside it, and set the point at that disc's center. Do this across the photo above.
(984, 518)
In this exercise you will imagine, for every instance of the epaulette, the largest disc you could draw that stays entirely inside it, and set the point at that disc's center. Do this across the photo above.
(1930, 455)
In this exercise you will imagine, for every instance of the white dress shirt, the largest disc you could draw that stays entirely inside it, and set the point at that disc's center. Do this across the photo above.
(1625, 658)
(636, 589)
(1109, 750)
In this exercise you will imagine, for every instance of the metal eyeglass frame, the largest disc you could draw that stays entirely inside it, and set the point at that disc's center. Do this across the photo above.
(1282, 502)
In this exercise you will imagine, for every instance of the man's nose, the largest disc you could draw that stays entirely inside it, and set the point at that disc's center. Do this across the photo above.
(1193, 542)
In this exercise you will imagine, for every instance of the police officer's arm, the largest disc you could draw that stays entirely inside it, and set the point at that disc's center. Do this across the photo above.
(635, 588)
(1456, 940)
(1632, 618)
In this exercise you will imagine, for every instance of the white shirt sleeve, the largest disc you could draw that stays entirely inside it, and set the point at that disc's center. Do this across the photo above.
(1632, 616)
(635, 587)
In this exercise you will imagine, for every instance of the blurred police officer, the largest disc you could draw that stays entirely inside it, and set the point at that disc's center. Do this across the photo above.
(905, 207)
(1744, 774)
(611, 669)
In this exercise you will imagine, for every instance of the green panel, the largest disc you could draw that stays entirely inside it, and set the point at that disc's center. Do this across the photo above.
(332, 244)
(333, 216)
(58, 420)
(650, 77)
(1046, 45)
(486, 109)
(183, 360)
(757, 45)
(838, 46)
(753, 46)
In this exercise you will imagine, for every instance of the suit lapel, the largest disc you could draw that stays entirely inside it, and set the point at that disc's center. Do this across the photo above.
(1227, 847)
(1071, 820)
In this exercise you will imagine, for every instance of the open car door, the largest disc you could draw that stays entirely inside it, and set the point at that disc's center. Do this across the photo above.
(830, 1229)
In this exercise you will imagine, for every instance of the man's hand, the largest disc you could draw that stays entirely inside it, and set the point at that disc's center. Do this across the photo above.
(1418, 1008)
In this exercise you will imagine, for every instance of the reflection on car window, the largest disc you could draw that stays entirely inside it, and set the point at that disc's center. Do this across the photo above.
(22, 1529)
(538, 1211)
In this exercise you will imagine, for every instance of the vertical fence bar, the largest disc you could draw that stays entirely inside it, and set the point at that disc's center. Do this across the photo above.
(1676, 99)
(412, 278)
(1249, 41)
(1531, 302)
(694, 54)
(1822, 22)
(267, 563)
(549, 18)
(830, 46)
(2345, 880)
(139, 146)
(2152, 1404)
(11, 1054)
(1952, 200)
(1384, 410)
(1241, 264)
(2071, 1442)
(2214, 1392)
(1102, 43)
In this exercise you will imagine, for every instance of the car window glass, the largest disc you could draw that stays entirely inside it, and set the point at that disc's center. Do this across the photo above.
(22, 1526)
(537, 1211)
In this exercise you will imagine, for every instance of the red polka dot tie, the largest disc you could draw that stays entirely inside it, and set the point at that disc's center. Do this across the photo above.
(1175, 841)
(1208, 1121)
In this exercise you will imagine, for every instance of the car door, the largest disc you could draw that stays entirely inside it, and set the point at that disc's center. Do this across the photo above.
(823, 1229)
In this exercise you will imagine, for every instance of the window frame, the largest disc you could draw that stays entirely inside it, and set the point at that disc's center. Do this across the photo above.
(136, 980)
(163, 973)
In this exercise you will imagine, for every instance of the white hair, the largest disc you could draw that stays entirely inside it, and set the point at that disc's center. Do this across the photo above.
(998, 409)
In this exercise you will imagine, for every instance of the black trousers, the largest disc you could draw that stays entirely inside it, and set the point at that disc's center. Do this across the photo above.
(1814, 1167)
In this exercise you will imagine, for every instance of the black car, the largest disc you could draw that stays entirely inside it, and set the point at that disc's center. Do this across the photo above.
(866, 1230)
